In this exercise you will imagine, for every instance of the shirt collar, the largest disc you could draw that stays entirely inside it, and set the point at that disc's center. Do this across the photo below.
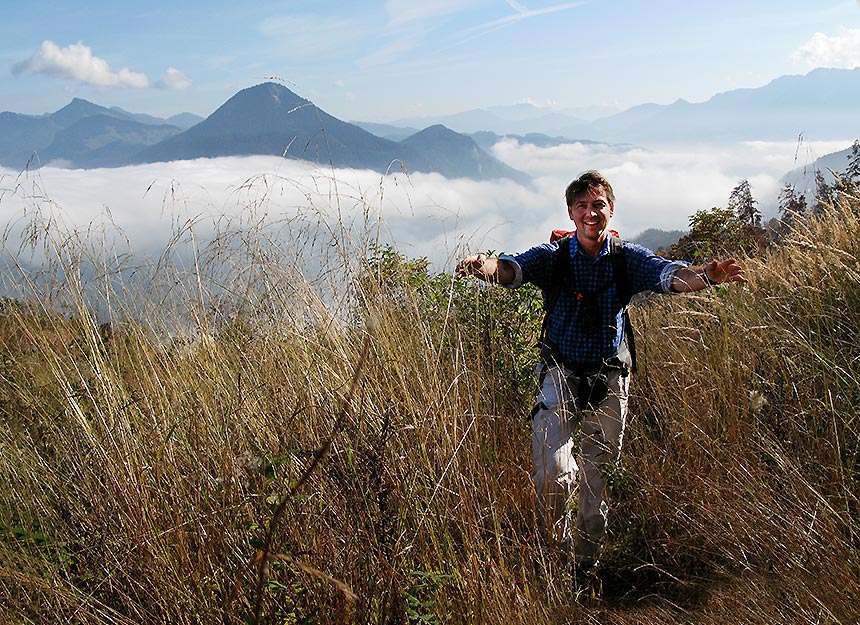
(603, 250)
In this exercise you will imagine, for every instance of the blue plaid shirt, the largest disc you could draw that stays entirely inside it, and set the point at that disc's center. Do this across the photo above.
(645, 272)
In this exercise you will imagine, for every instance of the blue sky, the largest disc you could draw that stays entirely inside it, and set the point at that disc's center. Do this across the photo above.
(382, 61)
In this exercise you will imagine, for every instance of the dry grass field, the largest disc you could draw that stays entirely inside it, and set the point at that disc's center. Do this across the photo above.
(247, 445)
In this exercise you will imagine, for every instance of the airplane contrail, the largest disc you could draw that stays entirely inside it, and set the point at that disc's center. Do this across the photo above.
(522, 13)
(516, 6)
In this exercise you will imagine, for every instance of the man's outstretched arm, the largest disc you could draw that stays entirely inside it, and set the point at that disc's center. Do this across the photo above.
(486, 268)
(688, 279)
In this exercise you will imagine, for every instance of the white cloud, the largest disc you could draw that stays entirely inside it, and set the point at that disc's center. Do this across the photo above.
(840, 51)
(423, 214)
(661, 189)
(173, 80)
(545, 104)
(76, 62)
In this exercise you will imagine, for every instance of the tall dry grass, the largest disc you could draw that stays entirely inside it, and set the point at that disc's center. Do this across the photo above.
(146, 479)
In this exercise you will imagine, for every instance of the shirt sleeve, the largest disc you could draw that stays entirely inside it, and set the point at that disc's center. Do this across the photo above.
(535, 265)
(518, 271)
(668, 274)
(649, 272)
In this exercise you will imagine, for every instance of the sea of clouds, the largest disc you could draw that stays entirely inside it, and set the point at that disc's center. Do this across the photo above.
(145, 207)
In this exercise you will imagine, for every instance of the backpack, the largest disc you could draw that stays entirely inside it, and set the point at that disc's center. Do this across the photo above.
(560, 272)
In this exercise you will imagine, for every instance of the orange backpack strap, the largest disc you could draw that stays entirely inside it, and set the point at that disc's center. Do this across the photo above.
(558, 235)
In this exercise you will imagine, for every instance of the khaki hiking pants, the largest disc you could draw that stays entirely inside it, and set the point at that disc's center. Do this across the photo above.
(561, 467)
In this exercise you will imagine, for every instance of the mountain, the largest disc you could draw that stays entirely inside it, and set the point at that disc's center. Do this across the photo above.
(516, 119)
(656, 239)
(184, 120)
(80, 134)
(78, 109)
(387, 131)
(625, 123)
(457, 156)
(271, 119)
(22, 137)
(142, 118)
(513, 119)
(803, 178)
(265, 119)
(103, 141)
(820, 105)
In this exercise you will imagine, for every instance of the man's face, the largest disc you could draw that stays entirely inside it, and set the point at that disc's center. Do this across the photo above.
(590, 212)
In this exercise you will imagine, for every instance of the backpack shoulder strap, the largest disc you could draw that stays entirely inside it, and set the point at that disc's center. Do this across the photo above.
(619, 268)
(560, 277)
(560, 273)
(622, 285)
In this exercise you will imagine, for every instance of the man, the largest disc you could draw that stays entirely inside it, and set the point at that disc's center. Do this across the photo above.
(586, 361)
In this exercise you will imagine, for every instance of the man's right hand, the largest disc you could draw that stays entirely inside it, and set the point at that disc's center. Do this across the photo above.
(487, 268)
(473, 265)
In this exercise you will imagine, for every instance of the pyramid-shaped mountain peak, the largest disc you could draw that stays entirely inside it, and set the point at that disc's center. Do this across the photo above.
(440, 138)
(266, 99)
(78, 109)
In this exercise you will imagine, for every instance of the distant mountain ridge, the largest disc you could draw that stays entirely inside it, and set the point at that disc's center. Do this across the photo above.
(264, 119)
(31, 140)
(830, 165)
(522, 118)
(655, 239)
(450, 153)
(518, 119)
(820, 105)
(270, 119)
(103, 141)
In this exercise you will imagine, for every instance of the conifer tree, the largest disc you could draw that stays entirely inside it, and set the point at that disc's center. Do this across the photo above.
(849, 182)
(853, 172)
(823, 193)
(743, 204)
(792, 205)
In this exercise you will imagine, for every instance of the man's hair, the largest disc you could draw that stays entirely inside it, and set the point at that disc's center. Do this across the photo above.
(588, 181)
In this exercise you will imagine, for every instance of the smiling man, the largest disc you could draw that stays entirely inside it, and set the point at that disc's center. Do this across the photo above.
(586, 358)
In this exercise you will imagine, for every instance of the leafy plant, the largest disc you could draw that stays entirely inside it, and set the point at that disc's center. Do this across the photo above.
(419, 597)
